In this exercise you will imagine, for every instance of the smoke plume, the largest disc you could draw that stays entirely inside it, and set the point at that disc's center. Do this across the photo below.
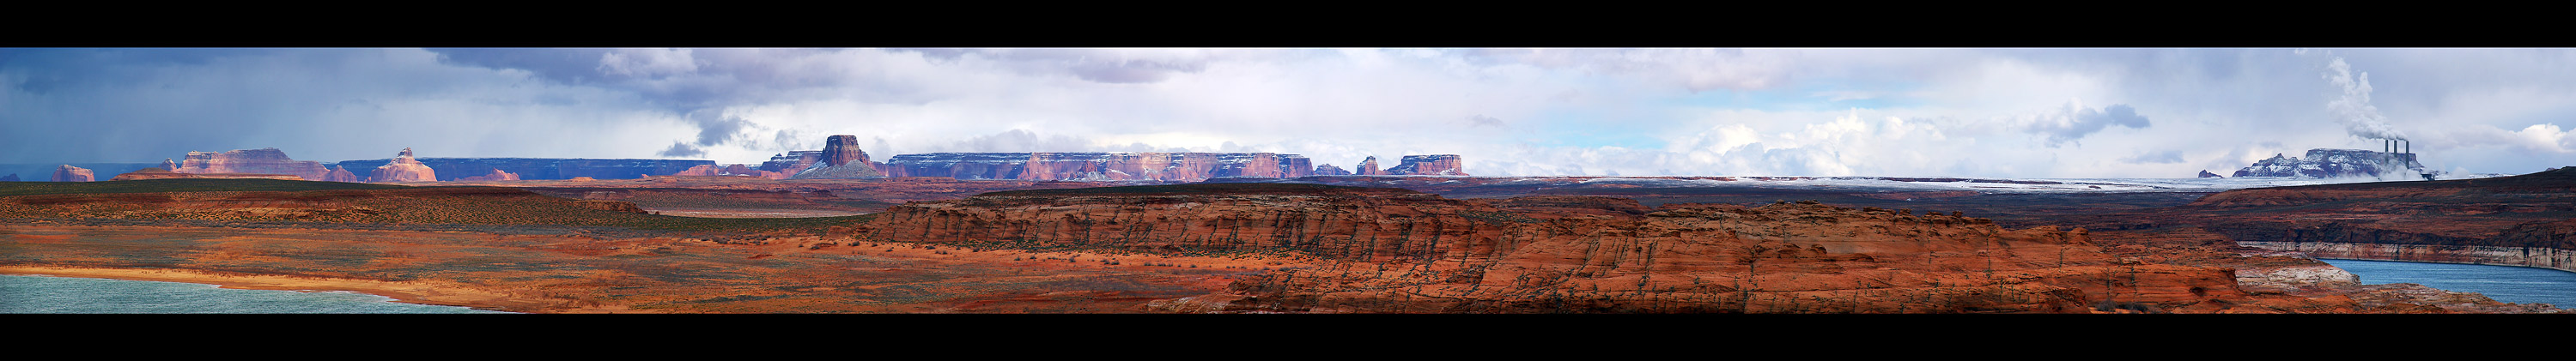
(2353, 109)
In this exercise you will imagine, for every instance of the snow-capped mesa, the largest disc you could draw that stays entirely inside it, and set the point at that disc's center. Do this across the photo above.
(2339, 163)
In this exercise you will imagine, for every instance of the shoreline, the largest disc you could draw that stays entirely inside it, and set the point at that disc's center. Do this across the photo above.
(421, 293)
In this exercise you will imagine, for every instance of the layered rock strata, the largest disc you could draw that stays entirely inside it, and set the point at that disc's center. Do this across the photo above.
(1435, 164)
(1391, 250)
(249, 161)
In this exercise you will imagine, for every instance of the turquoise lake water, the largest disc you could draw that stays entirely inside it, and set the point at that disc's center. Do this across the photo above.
(2502, 283)
(40, 294)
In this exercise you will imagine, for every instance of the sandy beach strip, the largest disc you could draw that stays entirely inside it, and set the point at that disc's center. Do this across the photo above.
(426, 293)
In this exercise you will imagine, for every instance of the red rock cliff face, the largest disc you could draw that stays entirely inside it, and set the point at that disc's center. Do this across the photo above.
(1436, 164)
(251, 161)
(69, 173)
(1369, 167)
(404, 169)
(1399, 251)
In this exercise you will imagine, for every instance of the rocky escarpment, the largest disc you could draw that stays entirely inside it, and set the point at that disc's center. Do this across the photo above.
(250, 161)
(69, 173)
(1389, 250)
(2337, 163)
(841, 159)
(404, 169)
(12, 177)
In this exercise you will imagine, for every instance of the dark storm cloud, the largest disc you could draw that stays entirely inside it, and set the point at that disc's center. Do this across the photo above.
(567, 66)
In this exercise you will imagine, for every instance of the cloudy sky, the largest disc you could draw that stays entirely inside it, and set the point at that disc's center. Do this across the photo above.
(2037, 113)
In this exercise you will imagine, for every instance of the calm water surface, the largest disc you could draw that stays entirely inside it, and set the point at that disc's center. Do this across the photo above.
(2502, 283)
(39, 294)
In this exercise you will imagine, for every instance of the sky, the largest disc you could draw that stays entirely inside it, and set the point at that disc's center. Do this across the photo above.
(1960, 112)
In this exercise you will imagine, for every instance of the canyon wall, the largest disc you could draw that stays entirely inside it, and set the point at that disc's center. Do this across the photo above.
(1393, 250)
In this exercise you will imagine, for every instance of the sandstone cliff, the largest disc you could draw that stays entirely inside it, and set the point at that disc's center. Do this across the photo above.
(1329, 169)
(1435, 164)
(340, 174)
(1369, 167)
(69, 173)
(1392, 250)
(250, 161)
(840, 159)
(404, 169)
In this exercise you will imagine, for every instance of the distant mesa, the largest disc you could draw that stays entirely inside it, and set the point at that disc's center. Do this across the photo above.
(496, 175)
(404, 169)
(248, 161)
(12, 177)
(69, 173)
(1368, 167)
(158, 173)
(2204, 173)
(2337, 163)
(701, 170)
(840, 159)
(339, 174)
(1435, 164)
(1330, 169)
